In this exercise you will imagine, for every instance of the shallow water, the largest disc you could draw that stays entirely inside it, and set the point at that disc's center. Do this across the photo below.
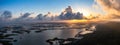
(40, 38)
(50, 31)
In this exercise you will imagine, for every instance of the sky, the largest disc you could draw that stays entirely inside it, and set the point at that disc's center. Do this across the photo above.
(44, 6)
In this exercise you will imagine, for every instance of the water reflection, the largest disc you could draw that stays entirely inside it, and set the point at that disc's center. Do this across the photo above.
(37, 34)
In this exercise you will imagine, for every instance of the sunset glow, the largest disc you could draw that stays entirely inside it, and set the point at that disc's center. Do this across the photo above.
(59, 22)
(85, 12)
(77, 21)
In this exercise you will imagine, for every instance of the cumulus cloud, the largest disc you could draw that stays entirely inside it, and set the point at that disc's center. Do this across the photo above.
(39, 17)
(68, 14)
(111, 7)
(6, 14)
(25, 15)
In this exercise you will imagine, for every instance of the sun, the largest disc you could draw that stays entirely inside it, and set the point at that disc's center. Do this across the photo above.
(85, 12)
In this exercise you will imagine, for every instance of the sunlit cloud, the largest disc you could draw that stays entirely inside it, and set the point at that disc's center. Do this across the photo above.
(111, 7)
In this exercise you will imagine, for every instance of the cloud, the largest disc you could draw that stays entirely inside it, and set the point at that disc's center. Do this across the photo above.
(111, 7)
(25, 15)
(6, 14)
(39, 16)
(68, 14)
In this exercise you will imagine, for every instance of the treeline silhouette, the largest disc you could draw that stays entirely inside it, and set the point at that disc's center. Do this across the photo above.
(105, 34)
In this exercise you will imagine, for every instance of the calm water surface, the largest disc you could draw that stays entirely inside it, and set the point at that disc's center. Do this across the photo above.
(40, 38)
(51, 31)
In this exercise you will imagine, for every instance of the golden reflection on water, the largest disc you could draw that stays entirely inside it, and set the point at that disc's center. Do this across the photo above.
(71, 25)
(74, 28)
(77, 21)
(74, 32)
